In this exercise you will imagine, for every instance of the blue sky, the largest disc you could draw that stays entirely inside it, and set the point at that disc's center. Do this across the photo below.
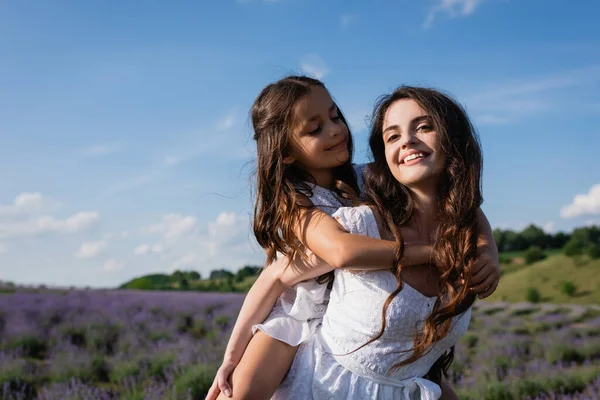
(125, 145)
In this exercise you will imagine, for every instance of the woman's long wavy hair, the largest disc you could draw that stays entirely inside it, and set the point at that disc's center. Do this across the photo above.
(277, 205)
(458, 197)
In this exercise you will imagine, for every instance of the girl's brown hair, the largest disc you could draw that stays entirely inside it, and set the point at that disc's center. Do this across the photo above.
(279, 186)
(458, 197)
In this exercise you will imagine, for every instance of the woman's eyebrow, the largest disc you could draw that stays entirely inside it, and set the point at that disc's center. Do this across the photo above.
(420, 119)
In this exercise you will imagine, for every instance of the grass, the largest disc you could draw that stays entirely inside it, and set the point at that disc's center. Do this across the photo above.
(547, 276)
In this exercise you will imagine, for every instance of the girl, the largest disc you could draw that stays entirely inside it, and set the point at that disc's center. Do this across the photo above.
(304, 147)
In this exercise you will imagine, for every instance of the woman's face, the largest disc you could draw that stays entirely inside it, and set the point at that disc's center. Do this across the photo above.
(412, 146)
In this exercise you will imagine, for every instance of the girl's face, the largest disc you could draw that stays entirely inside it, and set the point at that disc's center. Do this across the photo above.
(412, 146)
(319, 138)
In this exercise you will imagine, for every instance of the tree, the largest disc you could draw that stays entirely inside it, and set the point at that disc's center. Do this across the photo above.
(533, 295)
(533, 254)
(568, 288)
(194, 275)
(574, 246)
(534, 236)
(513, 241)
(184, 284)
(220, 273)
(499, 238)
(246, 271)
(593, 251)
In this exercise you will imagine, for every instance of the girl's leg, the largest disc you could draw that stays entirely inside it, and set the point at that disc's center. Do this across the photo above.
(261, 369)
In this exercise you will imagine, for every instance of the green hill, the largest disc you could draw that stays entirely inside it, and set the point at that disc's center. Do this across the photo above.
(548, 277)
(219, 281)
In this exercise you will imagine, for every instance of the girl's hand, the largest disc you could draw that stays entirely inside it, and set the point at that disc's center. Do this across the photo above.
(221, 382)
(486, 272)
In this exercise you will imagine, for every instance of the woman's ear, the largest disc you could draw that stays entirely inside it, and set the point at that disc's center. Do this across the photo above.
(289, 160)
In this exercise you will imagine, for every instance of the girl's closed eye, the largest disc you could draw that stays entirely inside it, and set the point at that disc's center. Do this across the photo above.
(315, 131)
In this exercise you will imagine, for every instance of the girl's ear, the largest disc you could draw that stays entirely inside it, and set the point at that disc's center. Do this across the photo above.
(289, 160)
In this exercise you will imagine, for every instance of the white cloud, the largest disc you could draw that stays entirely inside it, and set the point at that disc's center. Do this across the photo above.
(103, 149)
(348, 19)
(146, 248)
(112, 265)
(91, 249)
(184, 262)
(489, 119)
(583, 204)
(131, 183)
(172, 160)
(549, 227)
(506, 102)
(3, 248)
(358, 120)
(227, 121)
(173, 226)
(35, 226)
(314, 66)
(452, 9)
(27, 203)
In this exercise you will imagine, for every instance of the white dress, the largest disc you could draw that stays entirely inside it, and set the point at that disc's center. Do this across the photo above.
(300, 309)
(323, 369)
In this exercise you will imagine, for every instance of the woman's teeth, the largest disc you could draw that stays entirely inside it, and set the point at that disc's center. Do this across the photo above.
(414, 156)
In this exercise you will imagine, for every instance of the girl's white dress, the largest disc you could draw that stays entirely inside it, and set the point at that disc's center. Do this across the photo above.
(323, 369)
(299, 310)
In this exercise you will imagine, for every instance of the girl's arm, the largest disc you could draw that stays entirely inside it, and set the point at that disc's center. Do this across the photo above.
(447, 392)
(486, 271)
(256, 307)
(325, 237)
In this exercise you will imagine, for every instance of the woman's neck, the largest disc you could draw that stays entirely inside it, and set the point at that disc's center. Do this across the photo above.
(425, 211)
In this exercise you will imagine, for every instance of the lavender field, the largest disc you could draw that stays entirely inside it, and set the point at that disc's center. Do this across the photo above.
(166, 345)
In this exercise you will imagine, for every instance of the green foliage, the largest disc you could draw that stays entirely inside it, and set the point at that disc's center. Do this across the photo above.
(505, 259)
(496, 391)
(593, 251)
(564, 353)
(533, 295)
(535, 236)
(568, 288)
(248, 270)
(159, 365)
(533, 254)
(30, 346)
(195, 381)
(470, 340)
(529, 388)
(184, 284)
(100, 371)
(573, 247)
(222, 321)
(220, 273)
(124, 370)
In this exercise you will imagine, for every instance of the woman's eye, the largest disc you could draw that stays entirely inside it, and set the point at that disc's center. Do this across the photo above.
(393, 137)
(335, 118)
(424, 128)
